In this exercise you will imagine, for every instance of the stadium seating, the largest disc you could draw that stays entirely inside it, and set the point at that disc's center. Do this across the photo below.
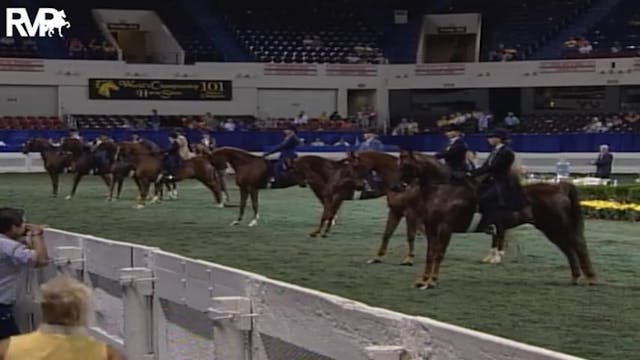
(619, 29)
(299, 32)
(523, 25)
(30, 123)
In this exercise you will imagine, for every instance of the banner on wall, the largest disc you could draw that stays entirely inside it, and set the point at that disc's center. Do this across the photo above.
(156, 89)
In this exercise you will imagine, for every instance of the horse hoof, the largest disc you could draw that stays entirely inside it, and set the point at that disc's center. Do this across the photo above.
(313, 234)
(155, 199)
(425, 285)
(253, 223)
(375, 260)
(325, 235)
(220, 205)
(407, 262)
(234, 223)
(575, 281)
(138, 206)
(68, 197)
(592, 281)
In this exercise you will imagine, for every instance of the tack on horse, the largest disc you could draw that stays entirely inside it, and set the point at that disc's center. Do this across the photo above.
(252, 173)
(446, 209)
(149, 168)
(83, 161)
(54, 160)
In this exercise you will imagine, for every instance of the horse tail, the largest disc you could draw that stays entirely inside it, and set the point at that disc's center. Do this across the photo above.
(577, 216)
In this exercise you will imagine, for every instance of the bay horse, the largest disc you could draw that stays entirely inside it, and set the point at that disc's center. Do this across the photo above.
(83, 161)
(446, 209)
(54, 160)
(252, 174)
(149, 170)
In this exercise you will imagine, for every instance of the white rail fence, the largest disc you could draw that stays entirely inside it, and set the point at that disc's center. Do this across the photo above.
(624, 163)
(152, 304)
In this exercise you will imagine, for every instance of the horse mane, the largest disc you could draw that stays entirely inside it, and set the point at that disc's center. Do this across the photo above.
(326, 169)
(430, 168)
(233, 155)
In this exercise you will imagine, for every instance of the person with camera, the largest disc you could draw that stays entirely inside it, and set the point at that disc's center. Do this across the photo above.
(21, 246)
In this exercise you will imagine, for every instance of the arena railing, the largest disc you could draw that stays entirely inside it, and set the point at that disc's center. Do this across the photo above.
(152, 304)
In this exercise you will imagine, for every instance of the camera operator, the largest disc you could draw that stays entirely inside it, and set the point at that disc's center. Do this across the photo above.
(21, 246)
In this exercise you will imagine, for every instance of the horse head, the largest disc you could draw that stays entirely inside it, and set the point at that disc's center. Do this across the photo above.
(36, 145)
(425, 168)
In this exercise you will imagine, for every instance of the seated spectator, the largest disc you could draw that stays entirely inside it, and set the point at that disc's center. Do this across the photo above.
(402, 128)
(210, 121)
(413, 127)
(95, 46)
(63, 333)
(317, 142)
(76, 47)
(335, 116)
(301, 119)
(511, 121)
(584, 46)
(229, 125)
(632, 117)
(616, 47)
(323, 117)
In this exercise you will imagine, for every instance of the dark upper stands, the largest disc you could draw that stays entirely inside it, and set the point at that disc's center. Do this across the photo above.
(303, 32)
(619, 29)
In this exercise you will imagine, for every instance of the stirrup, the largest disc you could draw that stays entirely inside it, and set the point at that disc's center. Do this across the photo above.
(491, 229)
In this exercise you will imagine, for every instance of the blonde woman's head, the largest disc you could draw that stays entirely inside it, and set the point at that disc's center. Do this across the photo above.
(64, 301)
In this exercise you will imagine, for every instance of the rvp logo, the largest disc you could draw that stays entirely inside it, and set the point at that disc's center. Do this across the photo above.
(46, 22)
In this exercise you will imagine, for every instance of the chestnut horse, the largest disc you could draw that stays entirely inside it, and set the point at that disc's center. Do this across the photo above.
(386, 166)
(149, 168)
(83, 161)
(446, 209)
(220, 166)
(53, 159)
(252, 174)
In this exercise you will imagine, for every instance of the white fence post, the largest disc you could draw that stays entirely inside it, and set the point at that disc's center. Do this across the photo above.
(137, 291)
(233, 321)
(69, 259)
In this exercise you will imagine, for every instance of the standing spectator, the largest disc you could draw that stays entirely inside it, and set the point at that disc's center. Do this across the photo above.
(210, 121)
(229, 125)
(511, 121)
(413, 127)
(483, 122)
(603, 163)
(21, 246)
(63, 332)
(584, 46)
(155, 119)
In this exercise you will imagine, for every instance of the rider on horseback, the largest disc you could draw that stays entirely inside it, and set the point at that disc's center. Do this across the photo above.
(178, 151)
(455, 154)
(501, 190)
(371, 143)
(100, 155)
(150, 145)
(287, 149)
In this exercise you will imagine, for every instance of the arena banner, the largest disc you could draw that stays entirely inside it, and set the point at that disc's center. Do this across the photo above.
(351, 70)
(290, 70)
(570, 66)
(29, 65)
(158, 89)
(440, 69)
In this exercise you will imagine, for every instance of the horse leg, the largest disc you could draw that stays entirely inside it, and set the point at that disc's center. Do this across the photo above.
(55, 179)
(111, 189)
(119, 191)
(493, 252)
(223, 187)
(582, 251)
(333, 209)
(412, 230)
(244, 193)
(497, 247)
(426, 281)
(445, 239)
(144, 192)
(254, 205)
(76, 180)
(393, 220)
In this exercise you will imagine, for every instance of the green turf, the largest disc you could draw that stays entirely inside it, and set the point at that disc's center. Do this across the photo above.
(526, 299)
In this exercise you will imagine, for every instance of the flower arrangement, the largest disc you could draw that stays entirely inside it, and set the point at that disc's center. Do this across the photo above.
(611, 210)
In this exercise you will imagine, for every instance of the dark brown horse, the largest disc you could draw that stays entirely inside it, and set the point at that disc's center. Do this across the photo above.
(54, 160)
(446, 209)
(149, 168)
(83, 161)
(252, 174)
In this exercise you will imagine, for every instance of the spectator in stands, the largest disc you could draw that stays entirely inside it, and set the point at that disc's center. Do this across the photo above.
(155, 119)
(595, 126)
(75, 47)
(229, 125)
(413, 127)
(109, 50)
(323, 118)
(483, 121)
(584, 46)
(632, 117)
(7, 41)
(616, 47)
(371, 142)
(301, 119)
(95, 48)
(63, 332)
(402, 128)
(210, 122)
(21, 246)
(511, 121)
(335, 116)
(603, 163)
(317, 142)
(341, 142)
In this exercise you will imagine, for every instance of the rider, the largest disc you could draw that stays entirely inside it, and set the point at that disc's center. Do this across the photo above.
(150, 145)
(371, 143)
(100, 155)
(287, 149)
(455, 153)
(183, 143)
(208, 141)
(74, 134)
(501, 190)
(172, 157)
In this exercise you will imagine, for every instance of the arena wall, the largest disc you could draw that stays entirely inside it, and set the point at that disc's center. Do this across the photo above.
(156, 305)
(71, 78)
(625, 163)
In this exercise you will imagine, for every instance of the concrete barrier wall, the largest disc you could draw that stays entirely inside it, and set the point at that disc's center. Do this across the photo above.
(153, 304)
(624, 163)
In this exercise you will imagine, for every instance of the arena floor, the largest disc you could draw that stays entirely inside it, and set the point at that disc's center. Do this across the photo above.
(527, 298)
